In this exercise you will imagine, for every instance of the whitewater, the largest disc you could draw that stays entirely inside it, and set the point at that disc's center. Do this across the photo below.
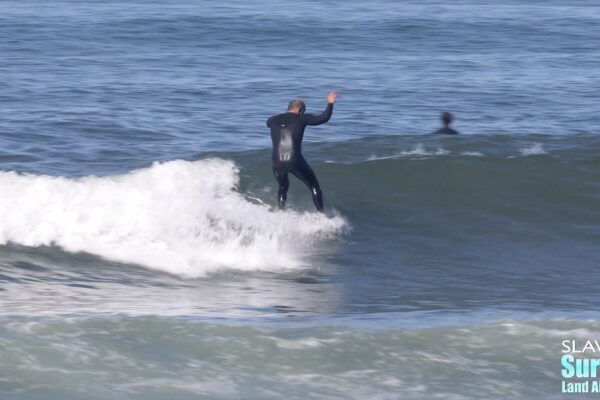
(180, 217)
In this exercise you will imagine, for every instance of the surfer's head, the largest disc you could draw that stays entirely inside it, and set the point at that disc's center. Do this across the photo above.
(296, 106)
(447, 118)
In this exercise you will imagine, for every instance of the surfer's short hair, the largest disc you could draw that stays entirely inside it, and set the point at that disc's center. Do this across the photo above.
(297, 104)
(447, 117)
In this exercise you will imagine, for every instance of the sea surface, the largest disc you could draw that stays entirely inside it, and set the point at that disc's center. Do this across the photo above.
(140, 253)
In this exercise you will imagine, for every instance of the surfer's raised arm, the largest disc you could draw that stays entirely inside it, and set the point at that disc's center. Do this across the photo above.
(310, 119)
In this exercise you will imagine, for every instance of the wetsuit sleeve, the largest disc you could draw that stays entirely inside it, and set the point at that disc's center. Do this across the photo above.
(310, 119)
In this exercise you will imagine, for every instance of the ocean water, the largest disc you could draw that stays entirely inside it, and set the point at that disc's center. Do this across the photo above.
(140, 253)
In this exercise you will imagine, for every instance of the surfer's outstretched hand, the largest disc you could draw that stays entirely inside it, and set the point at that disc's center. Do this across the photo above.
(331, 97)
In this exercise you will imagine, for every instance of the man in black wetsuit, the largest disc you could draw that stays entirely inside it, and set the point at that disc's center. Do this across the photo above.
(287, 131)
(446, 121)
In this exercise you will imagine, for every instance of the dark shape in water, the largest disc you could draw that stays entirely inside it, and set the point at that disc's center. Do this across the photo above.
(446, 121)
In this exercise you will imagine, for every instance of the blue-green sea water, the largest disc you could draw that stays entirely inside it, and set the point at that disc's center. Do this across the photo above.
(140, 253)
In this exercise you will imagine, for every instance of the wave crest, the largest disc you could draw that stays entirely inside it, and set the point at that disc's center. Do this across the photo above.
(181, 217)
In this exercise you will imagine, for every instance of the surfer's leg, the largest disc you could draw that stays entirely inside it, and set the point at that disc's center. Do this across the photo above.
(284, 184)
(304, 172)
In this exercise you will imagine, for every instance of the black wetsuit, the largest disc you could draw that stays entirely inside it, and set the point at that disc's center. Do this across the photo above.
(446, 131)
(287, 131)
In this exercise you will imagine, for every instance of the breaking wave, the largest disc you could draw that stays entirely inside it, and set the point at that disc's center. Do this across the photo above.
(180, 217)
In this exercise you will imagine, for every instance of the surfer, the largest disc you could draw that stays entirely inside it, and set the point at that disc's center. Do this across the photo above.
(446, 121)
(287, 131)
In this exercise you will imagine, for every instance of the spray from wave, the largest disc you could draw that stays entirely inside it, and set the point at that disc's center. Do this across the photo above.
(180, 217)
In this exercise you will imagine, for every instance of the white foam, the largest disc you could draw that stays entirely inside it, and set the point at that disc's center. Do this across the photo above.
(418, 151)
(534, 150)
(373, 157)
(304, 343)
(472, 153)
(181, 217)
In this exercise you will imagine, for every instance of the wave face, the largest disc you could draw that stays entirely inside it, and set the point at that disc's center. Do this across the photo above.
(511, 220)
(491, 183)
(180, 217)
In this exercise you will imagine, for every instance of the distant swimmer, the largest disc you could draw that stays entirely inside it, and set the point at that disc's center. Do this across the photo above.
(446, 121)
(287, 131)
